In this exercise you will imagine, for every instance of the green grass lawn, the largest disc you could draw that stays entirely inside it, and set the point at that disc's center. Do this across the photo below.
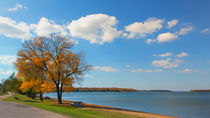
(51, 105)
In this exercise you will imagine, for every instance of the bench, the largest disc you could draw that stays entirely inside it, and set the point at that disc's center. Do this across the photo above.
(78, 104)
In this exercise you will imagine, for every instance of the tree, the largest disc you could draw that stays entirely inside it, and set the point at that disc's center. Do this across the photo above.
(33, 78)
(1, 88)
(53, 56)
(12, 84)
(32, 87)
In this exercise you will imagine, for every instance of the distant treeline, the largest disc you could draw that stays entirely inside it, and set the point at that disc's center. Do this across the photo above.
(154, 91)
(104, 90)
(208, 90)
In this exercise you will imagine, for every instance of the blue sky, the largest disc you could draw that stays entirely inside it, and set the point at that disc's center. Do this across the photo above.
(141, 44)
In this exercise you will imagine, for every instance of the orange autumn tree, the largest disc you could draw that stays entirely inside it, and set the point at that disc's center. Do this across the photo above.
(33, 79)
(53, 56)
(37, 86)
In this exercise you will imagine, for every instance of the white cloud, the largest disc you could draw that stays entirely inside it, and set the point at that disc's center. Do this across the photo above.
(125, 34)
(141, 29)
(171, 23)
(17, 7)
(183, 54)
(87, 76)
(167, 63)
(187, 71)
(149, 41)
(185, 30)
(10, 28)
(7, 59)
(105, 68)
(165, 54)
(142, 70)
(46, 27)
(7, 72)
(97, 28)
(155, 55)
(166, 37)
(206, 30)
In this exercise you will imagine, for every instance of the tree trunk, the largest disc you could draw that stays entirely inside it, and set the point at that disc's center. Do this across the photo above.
(59, 95)
(41, 96)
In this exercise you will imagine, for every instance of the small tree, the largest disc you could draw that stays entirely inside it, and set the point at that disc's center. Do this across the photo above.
(12, 84)
(33, 87)
(53, 56)
(33, 79)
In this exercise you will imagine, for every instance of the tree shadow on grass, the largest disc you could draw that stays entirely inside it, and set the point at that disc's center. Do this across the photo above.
(30, 101)
(60, 105)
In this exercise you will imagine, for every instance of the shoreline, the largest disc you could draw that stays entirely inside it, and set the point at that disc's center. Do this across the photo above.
(66, 109)
(115, 109)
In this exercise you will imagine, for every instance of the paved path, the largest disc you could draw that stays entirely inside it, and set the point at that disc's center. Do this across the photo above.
(17, 110)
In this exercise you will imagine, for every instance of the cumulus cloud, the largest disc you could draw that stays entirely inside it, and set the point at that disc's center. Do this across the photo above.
(149, 41)
(97, 28)
(7, 59)
(141, 29)
(105, 68)
(167, 63)
(185, 30)
(171, 23)
(166, 37)
(183, 54)
(166, 54)
(142, 70)
(206, 30)
(10, 28)
(17, 7)
(187, 71)
(45, 27)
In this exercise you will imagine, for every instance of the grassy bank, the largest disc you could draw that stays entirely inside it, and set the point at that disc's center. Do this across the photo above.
(51, 105)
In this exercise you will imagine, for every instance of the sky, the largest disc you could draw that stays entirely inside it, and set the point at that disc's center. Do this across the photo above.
(141, 44)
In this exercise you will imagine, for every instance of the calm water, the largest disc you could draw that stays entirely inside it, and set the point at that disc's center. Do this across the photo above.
(181, 104)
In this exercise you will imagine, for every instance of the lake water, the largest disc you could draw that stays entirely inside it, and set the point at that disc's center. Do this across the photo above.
(181, 104)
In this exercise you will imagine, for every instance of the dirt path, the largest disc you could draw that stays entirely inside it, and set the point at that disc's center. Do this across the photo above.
(4, 96)
(16, 110)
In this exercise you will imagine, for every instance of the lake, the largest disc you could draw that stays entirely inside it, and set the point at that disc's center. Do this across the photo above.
(181, 104)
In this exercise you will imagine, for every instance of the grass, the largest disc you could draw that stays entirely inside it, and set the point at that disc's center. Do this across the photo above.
(51, 105)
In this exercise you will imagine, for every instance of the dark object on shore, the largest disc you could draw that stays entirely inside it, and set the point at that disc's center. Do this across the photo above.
(16, 98)
(78, 104)
(47, 98)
